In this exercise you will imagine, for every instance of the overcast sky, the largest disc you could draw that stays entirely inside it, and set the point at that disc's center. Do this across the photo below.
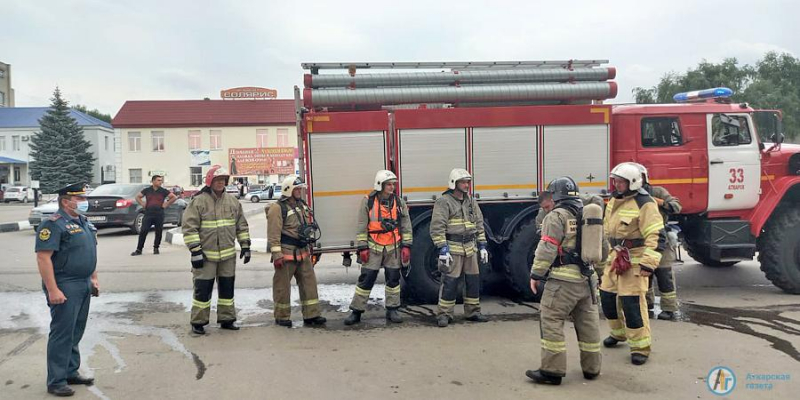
(104, 52)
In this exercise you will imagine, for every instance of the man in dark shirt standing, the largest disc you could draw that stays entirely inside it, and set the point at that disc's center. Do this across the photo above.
(154, 206)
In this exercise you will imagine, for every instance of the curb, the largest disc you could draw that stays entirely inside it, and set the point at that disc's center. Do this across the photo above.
(175, 237)
(15, 226)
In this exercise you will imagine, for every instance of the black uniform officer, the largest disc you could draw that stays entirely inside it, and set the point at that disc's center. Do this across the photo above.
(66, 252)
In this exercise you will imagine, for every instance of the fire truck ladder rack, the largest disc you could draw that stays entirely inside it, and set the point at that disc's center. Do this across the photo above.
(455, 65)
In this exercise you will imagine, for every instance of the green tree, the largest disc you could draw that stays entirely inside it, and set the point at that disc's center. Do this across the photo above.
(773, 83)
(94, 113)
(60, 152)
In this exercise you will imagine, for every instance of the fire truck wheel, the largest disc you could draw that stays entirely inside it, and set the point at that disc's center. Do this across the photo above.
(700, 256)
(421, 285)
(519, 258)
(779, 249)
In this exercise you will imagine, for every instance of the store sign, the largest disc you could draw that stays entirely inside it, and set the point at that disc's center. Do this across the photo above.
(200, 158)
(261, 161)
(249, 93)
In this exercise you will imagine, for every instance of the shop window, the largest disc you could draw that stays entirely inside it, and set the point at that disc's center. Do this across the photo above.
(261, 137)
(134, 141)
(216, 139)
(661, 132)
(135, 175)
(283, 137)
(158, 140)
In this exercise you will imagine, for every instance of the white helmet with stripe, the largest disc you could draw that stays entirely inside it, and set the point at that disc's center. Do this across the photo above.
(290, 183)
(456, 175)
(631, 173)
(383, 176)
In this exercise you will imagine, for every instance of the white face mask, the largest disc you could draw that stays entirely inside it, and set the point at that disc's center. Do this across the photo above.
(83, 207)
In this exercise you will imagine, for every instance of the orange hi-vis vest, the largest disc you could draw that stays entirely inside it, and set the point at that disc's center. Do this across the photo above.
(376, 230)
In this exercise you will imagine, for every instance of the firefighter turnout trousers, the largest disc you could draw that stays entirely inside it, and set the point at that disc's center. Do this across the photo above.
(224, 272)
(466, 266)
(390, 261)
(626, 311)
(665, 279)
(302, 270)
(562, 299)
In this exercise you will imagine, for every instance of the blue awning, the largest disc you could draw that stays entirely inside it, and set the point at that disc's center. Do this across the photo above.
(7, 160)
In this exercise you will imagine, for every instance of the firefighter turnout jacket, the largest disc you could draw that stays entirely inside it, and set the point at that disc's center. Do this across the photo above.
(214, 224)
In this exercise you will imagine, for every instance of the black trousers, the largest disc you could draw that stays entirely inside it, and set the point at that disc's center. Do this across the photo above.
(157, 222)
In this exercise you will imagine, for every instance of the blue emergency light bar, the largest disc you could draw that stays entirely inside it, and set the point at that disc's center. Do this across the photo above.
(715, 93)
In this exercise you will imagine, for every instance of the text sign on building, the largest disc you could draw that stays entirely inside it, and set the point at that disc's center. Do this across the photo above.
(248, 93)
(261, 161)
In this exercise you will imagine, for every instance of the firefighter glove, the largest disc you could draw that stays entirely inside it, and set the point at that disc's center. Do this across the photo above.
(444, 256)
(484, 253)
(278, 262)
(363, 255)
(245, 254)
(405, 255)
(197, 258)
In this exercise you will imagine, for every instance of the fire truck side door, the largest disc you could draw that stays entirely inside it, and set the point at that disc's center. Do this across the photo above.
(734, 170)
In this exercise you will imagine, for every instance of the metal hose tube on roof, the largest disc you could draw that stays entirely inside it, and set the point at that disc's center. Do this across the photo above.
(480, 93)
(462, 77)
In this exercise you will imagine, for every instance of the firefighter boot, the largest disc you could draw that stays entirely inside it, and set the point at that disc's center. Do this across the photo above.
(284, 322)
(667, 316)
(393, 316)
(638, 359)
(590, 376)
(230, 325)
(611, 341)
(316, 321)
(353, 318)
(198, 330)
(478, 318)
(542, 377)
(442, 320)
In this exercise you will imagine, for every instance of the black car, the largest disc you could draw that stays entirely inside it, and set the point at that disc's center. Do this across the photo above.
(114, 205)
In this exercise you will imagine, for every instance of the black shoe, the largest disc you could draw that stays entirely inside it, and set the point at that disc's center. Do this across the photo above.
(61, 391)
(539, 377)
(651, 314)
(198, 330)
(478, 318)
(230, 325)
(284, 322)
(80, 380)
(611, 341)
(442, 320)
(316, 321)
(393, 316)
(638, 359)
(667, 316)
(590, 376)
(353, 318)
(137, 253)
(155, 251)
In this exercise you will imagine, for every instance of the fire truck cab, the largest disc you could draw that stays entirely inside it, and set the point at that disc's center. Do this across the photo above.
(515, 127)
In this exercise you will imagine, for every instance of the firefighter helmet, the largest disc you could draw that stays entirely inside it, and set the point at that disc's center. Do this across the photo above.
(384, 176)
(290, 183)
(217, 171)
(563, 188)
(643, 170)
(457, 175)
(629, 172)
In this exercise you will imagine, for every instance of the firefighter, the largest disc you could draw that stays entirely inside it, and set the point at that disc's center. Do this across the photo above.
(664, 275)
(570, 289)
(384, 240)
(291, 233)
(546, 205)
(212, 223)
(635, 231)
(457, 232)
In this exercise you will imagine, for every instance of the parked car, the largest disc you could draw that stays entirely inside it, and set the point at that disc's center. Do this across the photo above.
(18, 193)
(114, 205)
(45, 210)
(233, 191)
(258, 195)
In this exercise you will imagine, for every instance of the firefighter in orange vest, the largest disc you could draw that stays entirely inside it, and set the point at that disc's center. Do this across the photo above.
(635, 230)
(384, 240)
(291, 233)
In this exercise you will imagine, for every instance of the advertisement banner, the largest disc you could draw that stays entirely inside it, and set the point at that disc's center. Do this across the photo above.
(200, 158)
(261, 161)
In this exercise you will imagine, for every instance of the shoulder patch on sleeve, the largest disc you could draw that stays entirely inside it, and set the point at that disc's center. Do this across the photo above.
(44, 234)
(642, 199)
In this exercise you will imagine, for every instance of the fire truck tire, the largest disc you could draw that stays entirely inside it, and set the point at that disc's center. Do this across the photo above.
(779, 250)
(698, 255)
(421, 285)
(519, 258)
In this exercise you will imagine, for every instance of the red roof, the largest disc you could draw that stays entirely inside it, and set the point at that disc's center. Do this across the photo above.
(196, 113)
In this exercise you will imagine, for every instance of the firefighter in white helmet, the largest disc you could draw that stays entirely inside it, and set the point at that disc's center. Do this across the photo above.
(457, 231)
(291, 234)
(383, 240)
(636, 232)
(664, 276)
(212, 223)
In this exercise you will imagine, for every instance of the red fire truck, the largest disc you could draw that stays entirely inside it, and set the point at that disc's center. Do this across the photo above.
(517, 125)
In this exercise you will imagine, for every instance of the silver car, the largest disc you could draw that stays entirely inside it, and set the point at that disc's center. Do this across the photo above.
(43, 211)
